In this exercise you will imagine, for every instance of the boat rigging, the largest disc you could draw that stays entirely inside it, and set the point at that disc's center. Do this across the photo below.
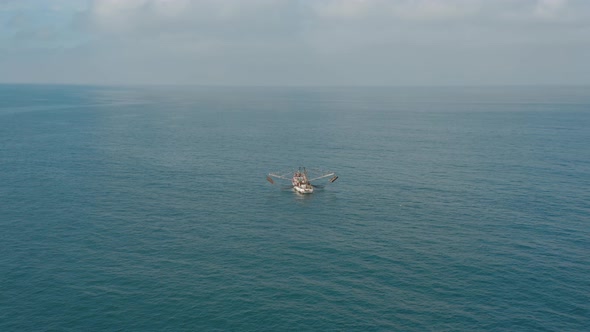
(300, 178)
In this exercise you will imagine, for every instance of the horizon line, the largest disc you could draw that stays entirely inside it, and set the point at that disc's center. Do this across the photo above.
(200, 85)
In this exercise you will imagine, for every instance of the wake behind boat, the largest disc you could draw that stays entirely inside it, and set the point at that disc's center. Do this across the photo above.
(300, 181)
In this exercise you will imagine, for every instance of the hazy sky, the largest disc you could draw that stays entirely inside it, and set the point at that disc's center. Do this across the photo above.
(295, 42)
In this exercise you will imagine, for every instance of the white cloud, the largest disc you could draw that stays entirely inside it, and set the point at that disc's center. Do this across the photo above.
(549, 9)
(127, 15)
(404, 9)
(303, 41)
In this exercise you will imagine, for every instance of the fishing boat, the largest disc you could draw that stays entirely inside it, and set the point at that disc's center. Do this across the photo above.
(300, 181)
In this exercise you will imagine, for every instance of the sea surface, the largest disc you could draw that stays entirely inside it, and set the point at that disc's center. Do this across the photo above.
(147, 209)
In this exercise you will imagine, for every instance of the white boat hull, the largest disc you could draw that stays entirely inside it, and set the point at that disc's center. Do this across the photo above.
(303, 189)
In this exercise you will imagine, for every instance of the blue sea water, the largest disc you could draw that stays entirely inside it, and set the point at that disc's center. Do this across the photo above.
(147, 209)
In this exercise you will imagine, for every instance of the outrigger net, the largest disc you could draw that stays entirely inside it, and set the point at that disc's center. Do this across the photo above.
(312, 174)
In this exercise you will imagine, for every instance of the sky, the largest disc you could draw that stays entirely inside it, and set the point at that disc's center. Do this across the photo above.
(296, 42)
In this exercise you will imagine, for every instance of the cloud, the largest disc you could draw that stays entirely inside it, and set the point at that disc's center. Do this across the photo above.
(410, 10)
(549, 9)
(295, 41)
(328, 24)
(221, 17)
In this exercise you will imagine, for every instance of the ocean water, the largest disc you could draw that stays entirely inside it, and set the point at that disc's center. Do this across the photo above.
(147, 209)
